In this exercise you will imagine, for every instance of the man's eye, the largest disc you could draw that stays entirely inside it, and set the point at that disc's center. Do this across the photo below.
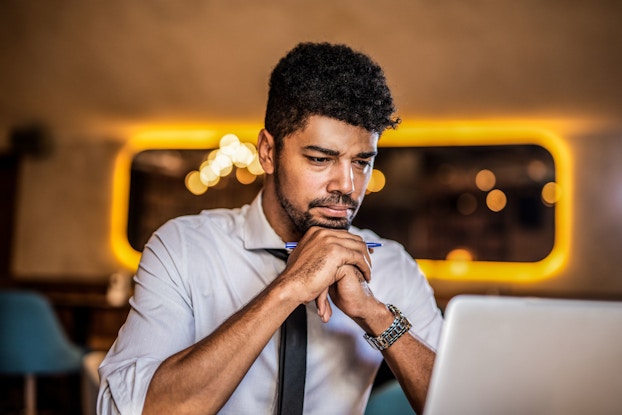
(363, 163)
(318, 160)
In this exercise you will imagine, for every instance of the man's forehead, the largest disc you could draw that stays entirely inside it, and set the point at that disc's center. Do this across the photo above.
(334, 135)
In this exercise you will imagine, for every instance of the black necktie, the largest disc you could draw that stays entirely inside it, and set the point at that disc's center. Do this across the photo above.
(292, 356)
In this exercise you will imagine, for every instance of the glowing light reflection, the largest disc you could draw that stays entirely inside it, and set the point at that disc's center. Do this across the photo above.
(376, 182)
(485, 180)
(446, 133)
(551, 193)
(194, 183)
(496, 200)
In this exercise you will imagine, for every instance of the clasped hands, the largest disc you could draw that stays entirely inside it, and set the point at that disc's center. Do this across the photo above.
(332, 262)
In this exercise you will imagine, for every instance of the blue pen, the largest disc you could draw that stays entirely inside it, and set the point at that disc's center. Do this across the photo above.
(292, 245)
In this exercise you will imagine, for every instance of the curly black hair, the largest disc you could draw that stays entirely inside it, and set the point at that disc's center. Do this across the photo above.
(328, 80)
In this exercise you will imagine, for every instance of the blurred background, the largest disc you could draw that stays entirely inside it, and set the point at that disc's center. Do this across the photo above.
(81, 81)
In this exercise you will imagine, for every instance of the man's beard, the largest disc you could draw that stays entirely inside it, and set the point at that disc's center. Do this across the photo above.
(303, 220)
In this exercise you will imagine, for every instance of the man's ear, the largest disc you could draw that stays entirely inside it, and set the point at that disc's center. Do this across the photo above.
(266, 151)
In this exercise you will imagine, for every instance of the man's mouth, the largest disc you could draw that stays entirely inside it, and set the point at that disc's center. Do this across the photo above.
(335, 211)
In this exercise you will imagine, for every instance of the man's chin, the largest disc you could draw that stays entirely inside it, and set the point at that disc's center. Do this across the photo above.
(332, 223)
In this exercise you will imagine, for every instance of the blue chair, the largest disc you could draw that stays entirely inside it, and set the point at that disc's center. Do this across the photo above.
(388, 399)
(32, 342)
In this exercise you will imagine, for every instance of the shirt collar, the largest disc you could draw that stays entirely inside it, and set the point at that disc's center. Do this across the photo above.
(258, 234)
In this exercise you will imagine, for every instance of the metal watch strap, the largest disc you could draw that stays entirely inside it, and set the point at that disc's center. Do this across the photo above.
(400, 325)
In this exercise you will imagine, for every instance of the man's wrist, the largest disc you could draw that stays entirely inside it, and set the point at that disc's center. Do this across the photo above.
(377, 318)
(398, 327)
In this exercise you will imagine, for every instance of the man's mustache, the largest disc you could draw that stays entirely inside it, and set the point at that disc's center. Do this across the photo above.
(337, 199)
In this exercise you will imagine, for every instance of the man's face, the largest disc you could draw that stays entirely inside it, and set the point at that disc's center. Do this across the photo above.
(322, 172)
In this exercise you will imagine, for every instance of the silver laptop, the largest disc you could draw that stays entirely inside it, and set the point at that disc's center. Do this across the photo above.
(528, 356)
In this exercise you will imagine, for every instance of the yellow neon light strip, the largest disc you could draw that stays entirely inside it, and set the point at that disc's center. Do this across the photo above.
(485, 133)
(171, 138)
(414, 135)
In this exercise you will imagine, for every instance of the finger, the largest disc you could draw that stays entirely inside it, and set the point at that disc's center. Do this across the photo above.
(365, 253)
(320, 302)
(363, 264)
(324, 310)
(359, 254)
(328, 313)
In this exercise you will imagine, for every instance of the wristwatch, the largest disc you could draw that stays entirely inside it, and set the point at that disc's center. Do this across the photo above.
(400, 326)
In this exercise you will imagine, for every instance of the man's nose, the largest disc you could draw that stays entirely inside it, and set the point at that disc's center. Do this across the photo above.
(342, 180)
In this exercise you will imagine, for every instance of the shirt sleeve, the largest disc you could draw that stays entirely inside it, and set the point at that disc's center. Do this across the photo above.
(424, 314)
(401, 282)
(160, 323)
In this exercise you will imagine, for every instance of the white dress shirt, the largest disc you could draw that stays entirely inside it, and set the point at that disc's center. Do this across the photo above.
(196, 271)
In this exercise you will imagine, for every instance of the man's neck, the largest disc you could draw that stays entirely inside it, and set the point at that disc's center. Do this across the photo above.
(276, 216)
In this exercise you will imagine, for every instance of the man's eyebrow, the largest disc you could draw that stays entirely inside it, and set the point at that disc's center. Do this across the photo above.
(334, 153)
(367, 155)
(323, 150)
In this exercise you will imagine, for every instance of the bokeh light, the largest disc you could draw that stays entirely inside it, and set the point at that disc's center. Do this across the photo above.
(496, 200)
(376, 182)
(244, 176)
(536, 170)
(551, 193)
(459, 260)
(194, 183)
(467, 204)
(221, 162)
(485, 180)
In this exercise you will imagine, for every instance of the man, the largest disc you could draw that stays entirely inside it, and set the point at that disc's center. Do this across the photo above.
(203, 333)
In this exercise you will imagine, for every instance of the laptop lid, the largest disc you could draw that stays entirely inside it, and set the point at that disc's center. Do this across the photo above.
(508, 355)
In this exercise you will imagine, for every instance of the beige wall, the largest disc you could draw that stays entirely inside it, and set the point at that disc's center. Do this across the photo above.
(94, 71)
